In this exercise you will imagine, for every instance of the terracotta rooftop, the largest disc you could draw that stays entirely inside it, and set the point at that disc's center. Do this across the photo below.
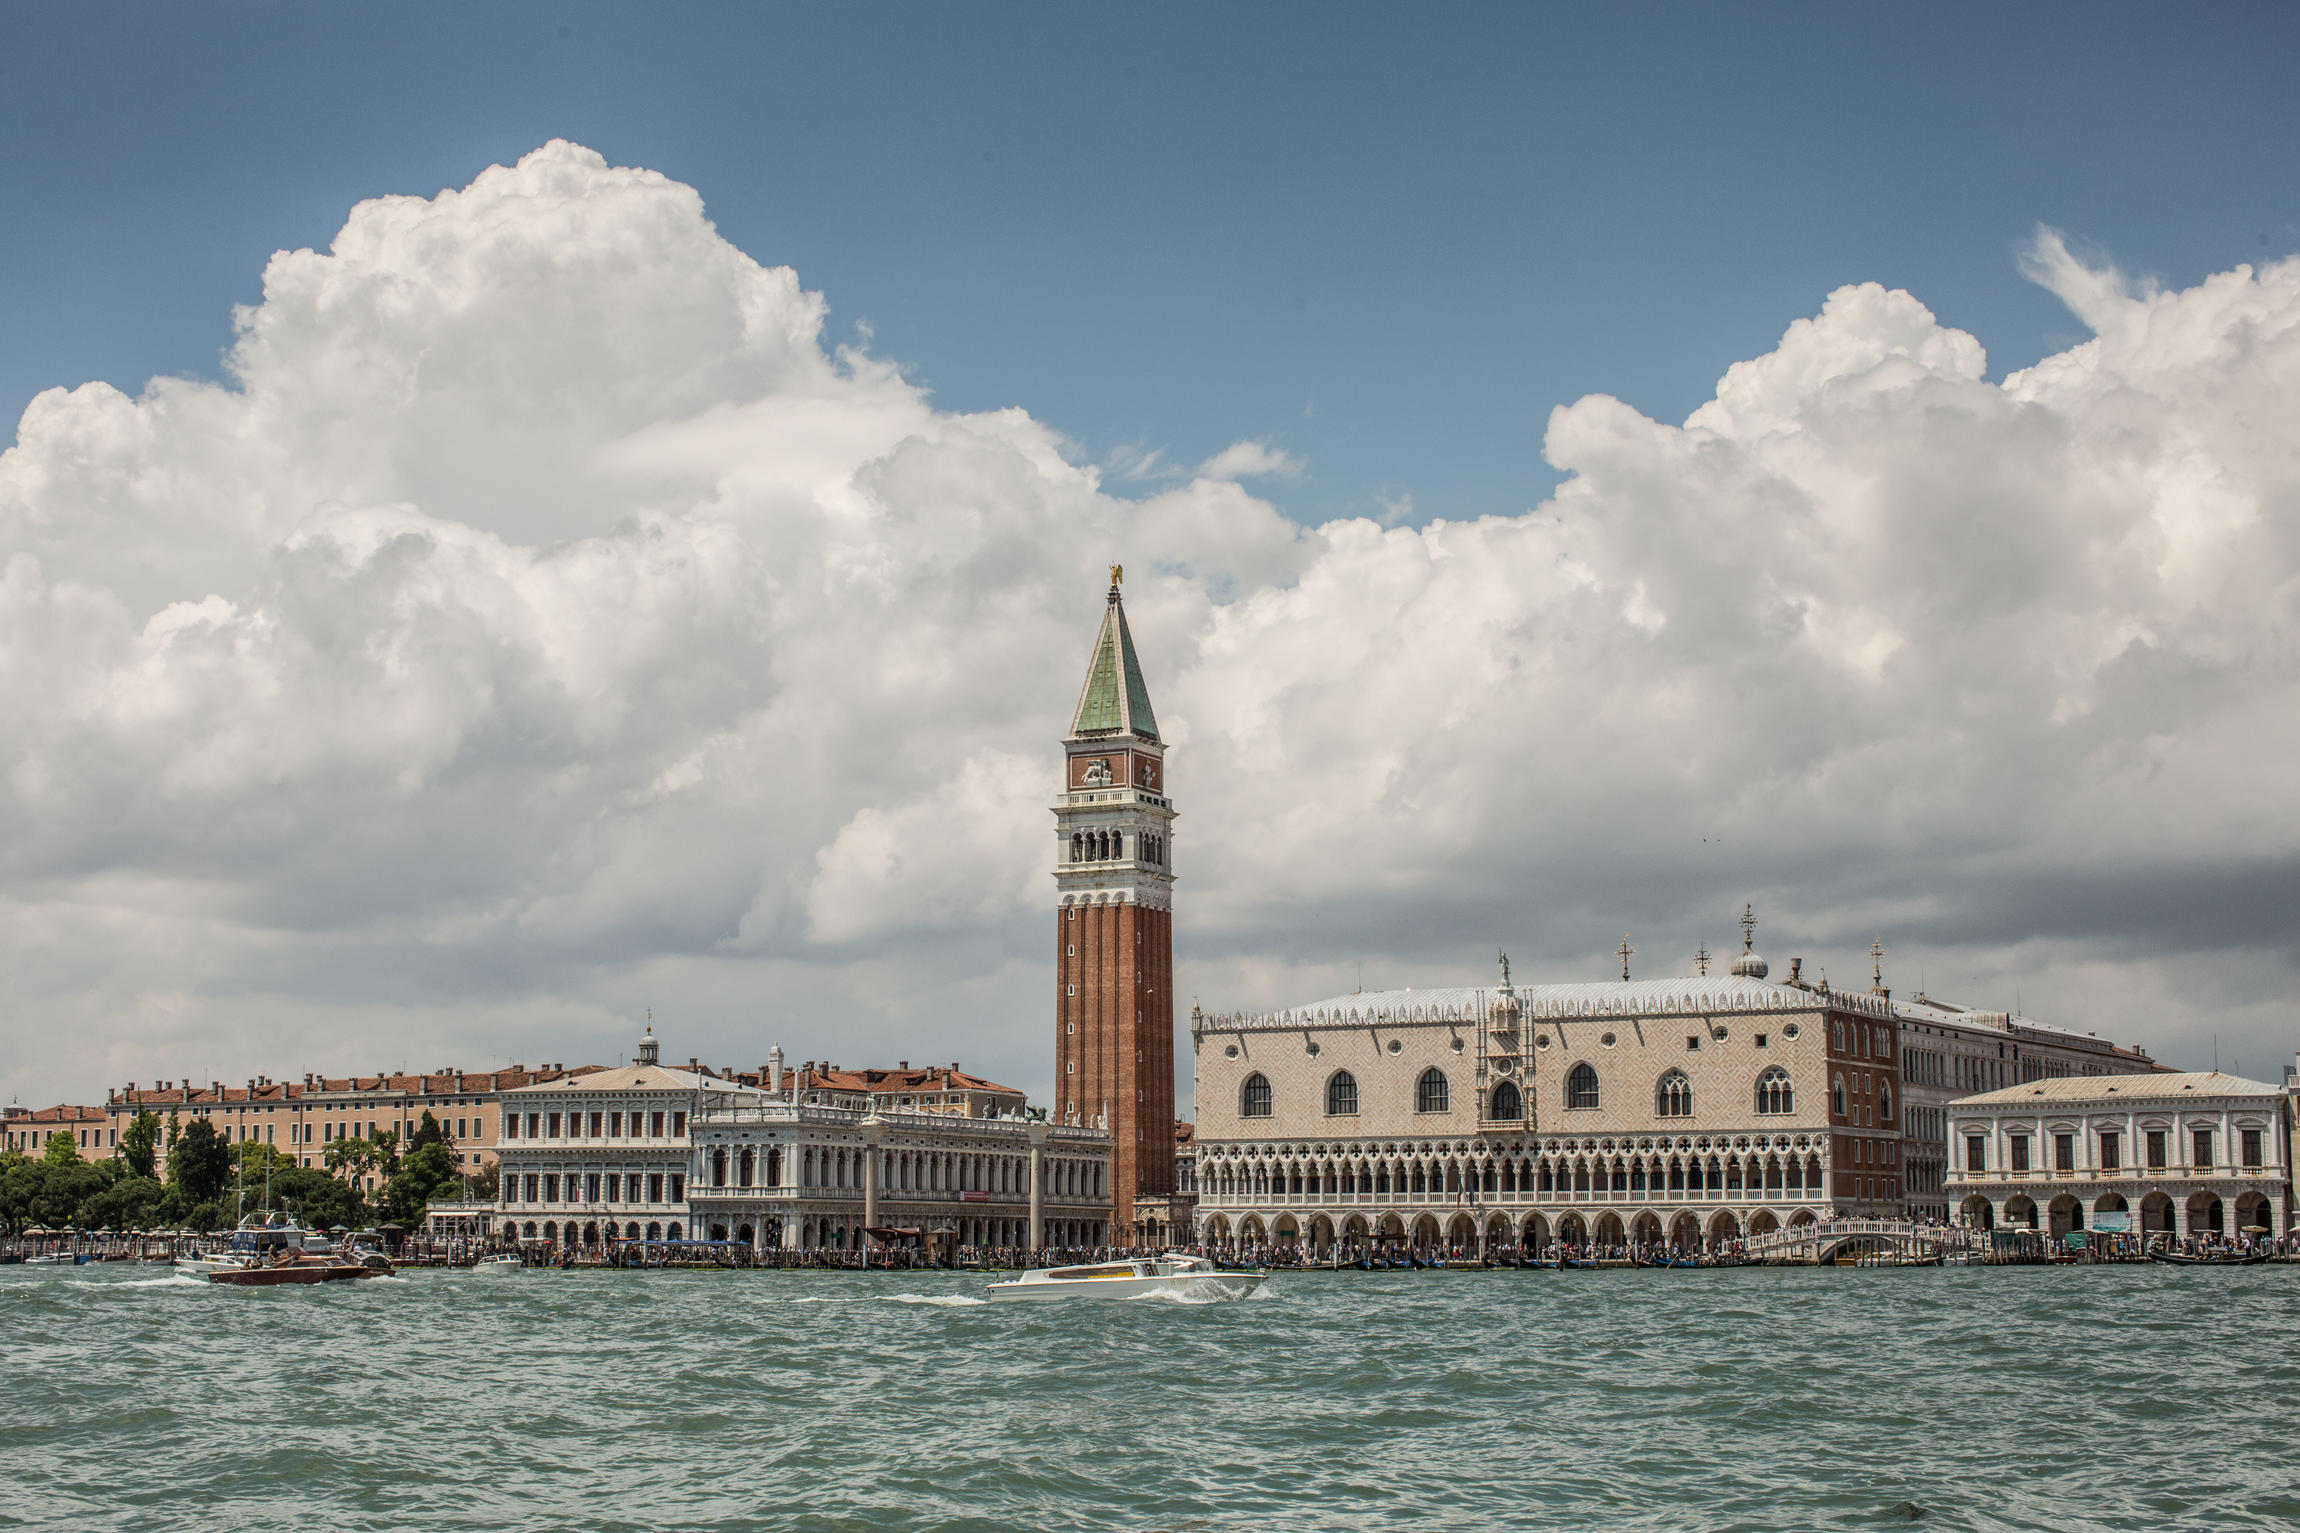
(440, 1083)
(929, 1078)
(58, 1114)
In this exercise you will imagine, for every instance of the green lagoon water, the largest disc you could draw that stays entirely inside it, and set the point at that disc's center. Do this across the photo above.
(2141, 1398)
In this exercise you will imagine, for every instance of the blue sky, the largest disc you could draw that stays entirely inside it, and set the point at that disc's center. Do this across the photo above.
(1386, 239)
(544, 630)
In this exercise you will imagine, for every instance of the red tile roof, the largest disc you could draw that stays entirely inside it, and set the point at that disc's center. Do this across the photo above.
(441, 1083)
(59, 1114)
(879, 1082)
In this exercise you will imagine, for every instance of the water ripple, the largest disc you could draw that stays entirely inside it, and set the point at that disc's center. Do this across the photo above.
(1945, 1399)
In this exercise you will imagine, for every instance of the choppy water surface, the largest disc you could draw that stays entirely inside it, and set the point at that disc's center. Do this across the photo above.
(1955, 1398)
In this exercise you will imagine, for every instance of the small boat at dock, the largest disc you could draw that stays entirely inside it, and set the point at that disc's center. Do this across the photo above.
(2217, 1259)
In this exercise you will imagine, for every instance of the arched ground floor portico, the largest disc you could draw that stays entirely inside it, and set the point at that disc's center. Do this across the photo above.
(1352, 1233)
(2224, 1208)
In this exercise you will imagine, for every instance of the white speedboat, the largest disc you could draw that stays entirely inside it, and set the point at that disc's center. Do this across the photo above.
(498, 1264)
(1181, 1277)
(209, 1263)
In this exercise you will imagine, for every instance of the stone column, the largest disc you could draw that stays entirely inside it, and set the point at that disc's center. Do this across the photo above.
(1038, 1129)
(872, 1131)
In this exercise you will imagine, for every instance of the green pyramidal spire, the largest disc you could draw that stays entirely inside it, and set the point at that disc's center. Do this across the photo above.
(1114, 701)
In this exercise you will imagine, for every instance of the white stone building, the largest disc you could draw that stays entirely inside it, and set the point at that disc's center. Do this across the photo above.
(1680, 1112)
(608, 1154)
(2202, 1155)
(1950, 1051)
(794, 1174)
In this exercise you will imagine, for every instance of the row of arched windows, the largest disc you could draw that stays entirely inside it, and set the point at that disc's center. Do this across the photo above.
(1596, 1177)
(1672, 1098)
(1884, 1091)
(1673, 1094)
(1432, 1093)
(920, 1171)
(745, 1166)
(1110, 846)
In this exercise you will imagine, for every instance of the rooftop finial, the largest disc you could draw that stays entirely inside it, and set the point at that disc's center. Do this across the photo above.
(1749, 965)
(1504, 971)
(1701, 960)
(1624, 953)
(1117, 576)
(1877, 961)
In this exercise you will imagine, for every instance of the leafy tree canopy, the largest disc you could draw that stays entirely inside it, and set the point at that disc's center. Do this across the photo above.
(200, 1162)
(140, 1144)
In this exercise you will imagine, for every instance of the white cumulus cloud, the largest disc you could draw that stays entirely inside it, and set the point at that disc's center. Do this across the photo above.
(543, 622)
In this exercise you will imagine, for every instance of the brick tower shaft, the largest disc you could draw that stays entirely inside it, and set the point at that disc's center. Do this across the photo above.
(1114, 926)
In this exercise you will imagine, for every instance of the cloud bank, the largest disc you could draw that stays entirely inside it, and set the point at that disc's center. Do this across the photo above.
(543, 623)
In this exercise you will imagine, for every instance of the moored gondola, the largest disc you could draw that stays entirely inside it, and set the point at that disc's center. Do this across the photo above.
(2223, 1259)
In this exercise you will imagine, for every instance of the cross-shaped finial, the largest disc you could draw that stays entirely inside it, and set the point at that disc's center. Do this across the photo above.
(1624, 951)
(1877, 960)
(1748, 928)
(1701, 959)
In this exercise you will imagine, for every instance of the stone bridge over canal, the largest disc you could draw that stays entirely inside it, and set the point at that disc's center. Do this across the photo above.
(1819, 1244)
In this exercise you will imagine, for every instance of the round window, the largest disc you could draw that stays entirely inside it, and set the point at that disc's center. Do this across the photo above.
(1231, 1052)
(1790, 1031)
(1313, 1048)
(1396, 1047)
(1541, 1042)
(1718, 1033)
(1457, 1045)
(1609, 1040)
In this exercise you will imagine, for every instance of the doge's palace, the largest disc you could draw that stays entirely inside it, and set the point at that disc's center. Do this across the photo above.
(1662, 1112)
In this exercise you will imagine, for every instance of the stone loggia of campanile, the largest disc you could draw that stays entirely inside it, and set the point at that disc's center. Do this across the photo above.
(1114, 932)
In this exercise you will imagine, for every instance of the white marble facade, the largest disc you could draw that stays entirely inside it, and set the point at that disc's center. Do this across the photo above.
(1682, 1112)
(2202, 1156)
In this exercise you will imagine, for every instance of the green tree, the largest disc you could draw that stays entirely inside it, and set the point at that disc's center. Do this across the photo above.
(62, 1149)
(16, 1188)
(131, 1202)
(57, 1192)
(199, 1162)
(255, 1159)
(428, 1172)
(140, 1145)
(318, 1200)
(429, 1132)
(376, 1155)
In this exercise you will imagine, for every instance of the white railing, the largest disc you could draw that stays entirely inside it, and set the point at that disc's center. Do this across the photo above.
(1831, 1232)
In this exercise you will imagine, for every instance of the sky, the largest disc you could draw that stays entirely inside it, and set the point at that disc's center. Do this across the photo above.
(524, 516)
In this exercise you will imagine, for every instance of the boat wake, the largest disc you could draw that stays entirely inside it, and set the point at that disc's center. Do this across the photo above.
(1193, 1300)
(172, 1280)
(938, 1300)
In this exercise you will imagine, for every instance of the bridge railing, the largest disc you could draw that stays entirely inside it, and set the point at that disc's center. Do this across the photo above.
(1900, 1232)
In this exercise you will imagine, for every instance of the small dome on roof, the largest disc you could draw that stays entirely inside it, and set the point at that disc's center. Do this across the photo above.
(1751, 966)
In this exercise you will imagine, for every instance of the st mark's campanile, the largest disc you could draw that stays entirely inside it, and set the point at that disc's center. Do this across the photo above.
(1114, 932)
